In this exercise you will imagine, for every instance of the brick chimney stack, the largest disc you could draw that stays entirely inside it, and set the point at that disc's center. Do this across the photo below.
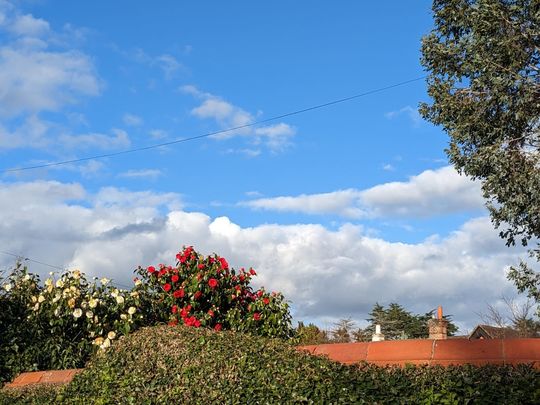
(438, 326)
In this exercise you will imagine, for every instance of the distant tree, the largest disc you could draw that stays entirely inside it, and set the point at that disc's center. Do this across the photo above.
(516, 316)
(398, 323)
(342, 331)
(483, 60)
(310, 334)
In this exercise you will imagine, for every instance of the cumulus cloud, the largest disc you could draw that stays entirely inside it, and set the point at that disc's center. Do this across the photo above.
(275, 137)
(432, 192)
(34, 80)
(132, 120)
(38, 73)
(141, 174)
(327, 274)
(28, 25)
(118, 139)
(168, 64)
(408, 111)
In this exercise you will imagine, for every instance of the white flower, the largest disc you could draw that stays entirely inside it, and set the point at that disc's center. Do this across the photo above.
(73, 289)
(36, 307)
(132, 310)
(98, 341)
(8, 287)
(76, 274)
(104, 281)
(89, 314)
(111, 335)
(57, 312)
(71, 303)
(120, 300)
(123, 317)
(114, 293)
(138, 282)
(59, 283)
(92, 303)
(134, 293)
(106, 344)
(96, 319)
(77, 313)
(49, 289)
(48, 282)
(40, 299)
(26, 277)
(56, 298)
(34, 299)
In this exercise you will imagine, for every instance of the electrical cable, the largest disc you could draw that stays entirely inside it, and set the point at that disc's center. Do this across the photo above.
(209, 134)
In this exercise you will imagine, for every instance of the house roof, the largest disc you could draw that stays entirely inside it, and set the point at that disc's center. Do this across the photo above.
(493, 332)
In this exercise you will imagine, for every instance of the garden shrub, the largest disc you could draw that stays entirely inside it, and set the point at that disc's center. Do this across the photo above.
(205, 291)
(60, 323)
(188, 365)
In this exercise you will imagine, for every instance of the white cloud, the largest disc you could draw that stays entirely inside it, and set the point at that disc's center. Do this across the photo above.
(168, 64)
(28, 25)
(132, 120)
(31, 133)
(37, 80)
(328, 274)
(342, 202)
(432, 192)
(275, 137)
(408, 111)
(39, 72)
(119, 139)
(158, 134)
(141, 174)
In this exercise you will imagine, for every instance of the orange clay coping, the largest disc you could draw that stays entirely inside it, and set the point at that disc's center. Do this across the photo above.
(397, 352)
(43, 377)
(433, 352)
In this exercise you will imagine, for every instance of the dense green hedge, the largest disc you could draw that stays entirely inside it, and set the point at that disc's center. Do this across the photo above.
(187, 365)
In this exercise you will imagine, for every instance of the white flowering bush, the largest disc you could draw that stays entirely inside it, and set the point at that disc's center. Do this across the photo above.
(60, 323)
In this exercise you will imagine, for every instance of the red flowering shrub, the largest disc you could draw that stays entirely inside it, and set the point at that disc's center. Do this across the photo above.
(205, 292)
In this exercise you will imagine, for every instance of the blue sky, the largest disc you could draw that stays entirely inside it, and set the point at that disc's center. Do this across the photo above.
(367, 181)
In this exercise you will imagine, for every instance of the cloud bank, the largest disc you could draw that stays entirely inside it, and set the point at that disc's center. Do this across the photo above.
(432, 192)
(327, 274)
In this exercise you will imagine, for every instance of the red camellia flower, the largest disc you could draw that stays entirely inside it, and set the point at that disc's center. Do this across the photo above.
(179, 293)
(252, 272)
(167, 287)
(218, 327)
(197, 295)
(266, 300)
(256, 316)
(174, 309)
(213, 283)
(151, 269)
(174, 278)
(200, 266)
(211, 313)
(224, 264)
(242, 278)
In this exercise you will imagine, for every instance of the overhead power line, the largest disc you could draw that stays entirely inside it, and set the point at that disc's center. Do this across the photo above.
(209, 134)
(22, 257)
